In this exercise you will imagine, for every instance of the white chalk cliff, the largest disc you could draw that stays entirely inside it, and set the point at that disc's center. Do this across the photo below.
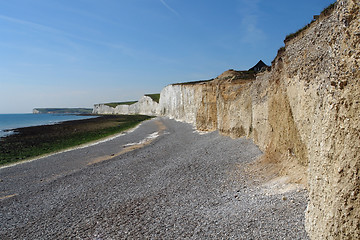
(145, 106)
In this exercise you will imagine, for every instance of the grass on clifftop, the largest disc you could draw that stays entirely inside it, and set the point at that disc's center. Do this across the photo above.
(326, 12)
(35, 141)
(237, 75)
(154, 97)
(194, 82)
(115, 104)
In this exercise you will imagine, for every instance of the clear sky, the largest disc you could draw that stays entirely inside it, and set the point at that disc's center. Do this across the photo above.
(75, 53)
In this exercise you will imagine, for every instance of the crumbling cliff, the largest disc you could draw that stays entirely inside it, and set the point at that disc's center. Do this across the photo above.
(304, 114)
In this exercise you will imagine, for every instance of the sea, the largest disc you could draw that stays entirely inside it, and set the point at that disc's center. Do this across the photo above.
(13, 121)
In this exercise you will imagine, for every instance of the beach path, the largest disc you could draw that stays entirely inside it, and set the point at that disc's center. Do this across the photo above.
(161, 181)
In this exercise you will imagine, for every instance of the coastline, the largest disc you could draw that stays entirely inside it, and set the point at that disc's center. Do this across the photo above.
(36, 142)
(81, 146)
(11, 122)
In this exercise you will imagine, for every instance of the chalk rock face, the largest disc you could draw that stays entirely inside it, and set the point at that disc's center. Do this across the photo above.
(324, 95)
(103, 109)
(210, 105)
(180, 102)
(304, 112)
(145, 106)
(224, 104)
(122, 109)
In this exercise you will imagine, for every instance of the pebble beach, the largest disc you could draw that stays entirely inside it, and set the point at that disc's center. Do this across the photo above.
(161, 181)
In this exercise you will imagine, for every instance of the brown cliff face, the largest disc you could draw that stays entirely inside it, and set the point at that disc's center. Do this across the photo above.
(227, 101)
(304, 114)
(234, 107)
(206, 117)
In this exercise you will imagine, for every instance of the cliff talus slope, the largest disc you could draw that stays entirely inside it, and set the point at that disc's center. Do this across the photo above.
(304, 114)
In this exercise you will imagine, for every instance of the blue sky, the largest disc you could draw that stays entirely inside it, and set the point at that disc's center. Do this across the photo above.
(75, 53)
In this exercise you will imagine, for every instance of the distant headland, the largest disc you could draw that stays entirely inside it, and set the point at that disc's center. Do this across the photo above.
(62, 110)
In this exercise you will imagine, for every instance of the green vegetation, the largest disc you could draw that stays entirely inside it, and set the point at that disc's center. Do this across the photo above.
(246, 75)
(295, 34)
(241, 75)
(194, 82)
(326, 12)
(36, 141)
(281, 50)
(154, 97)
(238, 75)
(114, 104)
(65, 110)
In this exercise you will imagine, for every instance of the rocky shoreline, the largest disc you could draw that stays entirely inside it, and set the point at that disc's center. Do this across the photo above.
(34, 141)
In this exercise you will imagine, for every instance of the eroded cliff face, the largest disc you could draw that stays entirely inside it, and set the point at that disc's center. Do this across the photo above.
(323, 69)
(304, 114)
(145, 106)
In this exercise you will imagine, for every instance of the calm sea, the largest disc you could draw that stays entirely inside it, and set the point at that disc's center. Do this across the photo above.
(11, 121)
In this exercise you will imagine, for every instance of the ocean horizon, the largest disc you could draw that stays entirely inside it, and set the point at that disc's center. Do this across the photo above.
(13, 121)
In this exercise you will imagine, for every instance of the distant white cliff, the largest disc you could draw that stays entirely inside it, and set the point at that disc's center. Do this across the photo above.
(147, 105)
